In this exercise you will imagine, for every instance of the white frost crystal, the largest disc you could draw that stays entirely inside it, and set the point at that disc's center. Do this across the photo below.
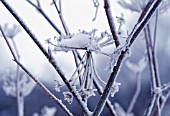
(58, 85)
(87, 92)
(68, 97)
(115, 88)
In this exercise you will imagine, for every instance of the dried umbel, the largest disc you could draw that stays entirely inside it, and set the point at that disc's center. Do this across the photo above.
(83, 77)
(11, 31)
(10, 83)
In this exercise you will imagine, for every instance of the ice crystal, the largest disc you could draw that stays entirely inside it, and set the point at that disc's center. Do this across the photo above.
(121, 19)
(87, 92)
(68, 97)
(115, 88)
(58, 85)
(157, 90)
(114, 57)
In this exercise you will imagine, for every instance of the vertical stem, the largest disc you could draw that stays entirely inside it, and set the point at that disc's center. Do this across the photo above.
(19, 87)
(20, 103)
(111, 22)
(138, 89)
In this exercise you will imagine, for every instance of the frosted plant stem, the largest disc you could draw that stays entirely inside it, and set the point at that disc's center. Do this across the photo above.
(59, 102)
(9, 46)
(155, 79)
(151, 104)
(155, 29)
(115, 70)
(111, 22)
(38, 8)
(164, 100)
(19, 91)
(154, 61)
(50, 58)
(99, 88)
(153, 84)
(108, 103)
(20, 103)
(59, 10)
(138, 89)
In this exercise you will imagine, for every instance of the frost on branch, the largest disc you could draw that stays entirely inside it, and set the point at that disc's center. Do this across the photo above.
(87, 93)
(82, 41)
(58, 85)
(68, 97)
(115, 88)
(114, 57)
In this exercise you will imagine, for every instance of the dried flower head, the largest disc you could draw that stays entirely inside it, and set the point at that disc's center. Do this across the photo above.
(11, 31)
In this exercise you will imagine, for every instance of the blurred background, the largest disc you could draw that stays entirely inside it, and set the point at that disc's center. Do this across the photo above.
(78, 15)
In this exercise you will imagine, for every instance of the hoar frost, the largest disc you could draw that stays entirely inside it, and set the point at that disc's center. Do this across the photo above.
(115, 89)
(82, 40)
(58, 85)
(68, 97)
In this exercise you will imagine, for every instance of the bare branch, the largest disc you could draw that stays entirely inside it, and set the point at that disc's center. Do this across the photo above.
(59, 10)
(38, 8)
(111, 22)
(9, 46)
(138, 89)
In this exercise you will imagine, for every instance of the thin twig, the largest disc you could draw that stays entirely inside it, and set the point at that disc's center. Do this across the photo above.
(19, 92)
(151, 104)
(153, 85)
(38, 8)
(59, 10)
(20, 112)
(155, 79)
(155, 29)
(111, 22)
(165, 98)
(114, 73)
(138, 89)
(108, 103)
(9, 46)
